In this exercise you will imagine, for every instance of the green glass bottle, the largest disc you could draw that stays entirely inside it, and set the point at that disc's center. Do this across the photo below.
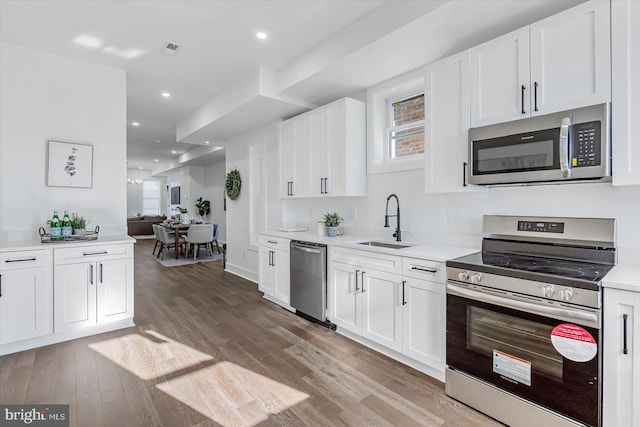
(66, 225)
(56, 227)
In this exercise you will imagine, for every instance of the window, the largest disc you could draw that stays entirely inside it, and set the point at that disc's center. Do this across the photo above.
(405, 127)
(150, 197)
(395, 124)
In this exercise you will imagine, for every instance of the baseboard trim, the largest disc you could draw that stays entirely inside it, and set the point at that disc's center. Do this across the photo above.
(15, 347)
(251, 276)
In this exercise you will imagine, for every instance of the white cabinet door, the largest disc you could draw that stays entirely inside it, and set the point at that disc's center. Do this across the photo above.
(267, 272)
(280, 261)
(301, 156)
(625, 68)
(424, 322)
(75, 296)
(382, 308)
(344, 302)
(621, 373)
(570, 59)
(114, 290)
(319, 152)
(499, 71)
(447, 123)
(26, 304)
(285, 158)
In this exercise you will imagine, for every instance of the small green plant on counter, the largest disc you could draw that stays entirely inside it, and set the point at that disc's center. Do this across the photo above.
(78, 222)
(332, 219)
(182, 210)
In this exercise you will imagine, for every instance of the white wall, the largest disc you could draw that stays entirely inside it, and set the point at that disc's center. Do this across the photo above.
(214, 176)
(46, 96)
(191, 181)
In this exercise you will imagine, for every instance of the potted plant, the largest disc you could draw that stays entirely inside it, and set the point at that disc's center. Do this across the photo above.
(79, 224)
(203, 207)
(183, 214)
(332, 221)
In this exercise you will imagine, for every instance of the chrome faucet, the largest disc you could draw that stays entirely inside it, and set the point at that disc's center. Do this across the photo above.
(397, 234)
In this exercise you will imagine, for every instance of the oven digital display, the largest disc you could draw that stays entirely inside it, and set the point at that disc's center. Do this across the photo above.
(541, 227)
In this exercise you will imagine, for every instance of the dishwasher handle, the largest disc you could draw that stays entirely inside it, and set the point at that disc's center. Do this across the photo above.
(305, 249)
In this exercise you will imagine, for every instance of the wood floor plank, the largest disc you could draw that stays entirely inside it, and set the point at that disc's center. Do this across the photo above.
(209, 350)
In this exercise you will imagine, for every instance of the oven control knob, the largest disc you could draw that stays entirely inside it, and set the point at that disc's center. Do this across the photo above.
(565, 294)
(463, 275)
(476, 278)
(547, 291)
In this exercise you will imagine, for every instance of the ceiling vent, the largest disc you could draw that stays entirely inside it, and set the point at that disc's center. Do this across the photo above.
(171, 48)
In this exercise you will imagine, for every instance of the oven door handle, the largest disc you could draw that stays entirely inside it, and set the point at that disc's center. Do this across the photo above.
(590, 318)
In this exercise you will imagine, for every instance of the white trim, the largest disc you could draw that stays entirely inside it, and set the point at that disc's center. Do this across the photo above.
(249, 275)
(377, 96)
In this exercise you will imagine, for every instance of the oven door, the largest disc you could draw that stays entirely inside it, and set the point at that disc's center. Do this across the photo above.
(547, 355)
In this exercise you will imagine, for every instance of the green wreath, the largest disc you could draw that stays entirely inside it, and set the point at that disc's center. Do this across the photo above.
(232, 184)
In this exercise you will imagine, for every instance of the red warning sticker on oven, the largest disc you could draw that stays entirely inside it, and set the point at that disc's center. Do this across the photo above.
(574, 342)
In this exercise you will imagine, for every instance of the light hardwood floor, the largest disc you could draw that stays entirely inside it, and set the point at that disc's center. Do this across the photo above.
(208, 350)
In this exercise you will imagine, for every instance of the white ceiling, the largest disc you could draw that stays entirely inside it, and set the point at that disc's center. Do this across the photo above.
(317, 50)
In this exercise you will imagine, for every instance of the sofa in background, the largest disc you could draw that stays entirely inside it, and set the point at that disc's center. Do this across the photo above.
(142, 225)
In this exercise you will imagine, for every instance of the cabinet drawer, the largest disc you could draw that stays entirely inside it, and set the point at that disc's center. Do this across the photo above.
(275, 243)
(368, 259)
(92, 253)
(23, 259)
(423, 269)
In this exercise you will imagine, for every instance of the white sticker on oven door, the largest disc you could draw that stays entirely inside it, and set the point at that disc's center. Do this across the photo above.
(574, 342)
(512, 367)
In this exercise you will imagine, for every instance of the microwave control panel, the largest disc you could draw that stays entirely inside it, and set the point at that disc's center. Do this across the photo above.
(586, 144)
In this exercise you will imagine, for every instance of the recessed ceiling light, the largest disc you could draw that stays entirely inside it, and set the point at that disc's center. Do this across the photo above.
(157, 140)
(156, 160)
(87, 41)
(135, 123)
(207, 142)
(166, 94)
(140, 167)
(174, 152)
(261, 35)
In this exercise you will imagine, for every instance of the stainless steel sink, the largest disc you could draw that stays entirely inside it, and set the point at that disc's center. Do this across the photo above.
(384, 245)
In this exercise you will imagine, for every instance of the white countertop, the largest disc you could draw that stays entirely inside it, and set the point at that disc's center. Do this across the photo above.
(31, 245)
(433, 252)
(623, 276)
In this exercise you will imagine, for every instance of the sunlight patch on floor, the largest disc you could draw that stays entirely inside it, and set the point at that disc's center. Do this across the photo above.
(149, 355)
(232, 395)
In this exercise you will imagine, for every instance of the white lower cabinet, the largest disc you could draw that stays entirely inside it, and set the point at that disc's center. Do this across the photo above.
(621, 359)
(26, 295)
(92, 286)
(274, 269)
(402, 313)
(424, 321)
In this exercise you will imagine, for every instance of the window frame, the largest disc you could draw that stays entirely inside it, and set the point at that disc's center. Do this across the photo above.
(390, 128)
(400, 87)
(143, 198)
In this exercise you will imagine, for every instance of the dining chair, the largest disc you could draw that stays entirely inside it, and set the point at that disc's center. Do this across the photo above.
(167, 241)
(155, 235)
(199, 235)
(214, 239)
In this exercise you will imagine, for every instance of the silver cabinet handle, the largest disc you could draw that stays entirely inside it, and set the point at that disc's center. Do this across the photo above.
(362, 280)
(565, 141)
(21, 260)
(404, 283)
(101, 281)
(272, 241)
(357, 272)
(91, 274)
(94, 253)
(426, 270)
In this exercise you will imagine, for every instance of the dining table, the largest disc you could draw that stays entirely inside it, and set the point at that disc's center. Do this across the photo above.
(178, 228)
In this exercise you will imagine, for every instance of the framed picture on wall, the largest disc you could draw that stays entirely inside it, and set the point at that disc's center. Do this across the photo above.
(69, 164)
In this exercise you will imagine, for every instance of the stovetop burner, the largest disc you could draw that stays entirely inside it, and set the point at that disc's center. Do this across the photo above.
(557, 267)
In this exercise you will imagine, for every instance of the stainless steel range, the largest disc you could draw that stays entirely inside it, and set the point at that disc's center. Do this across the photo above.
(524, 320)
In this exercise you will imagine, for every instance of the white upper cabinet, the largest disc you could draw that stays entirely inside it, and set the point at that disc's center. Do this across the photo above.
(328, 146)
(446, 125)
(500, 75)
(570, 59)
(556, 64)
(625, 41)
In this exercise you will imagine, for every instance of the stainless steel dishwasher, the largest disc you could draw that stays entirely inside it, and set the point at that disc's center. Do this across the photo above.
(309, 280)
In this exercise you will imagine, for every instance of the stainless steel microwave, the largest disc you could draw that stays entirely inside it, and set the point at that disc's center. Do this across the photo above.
(568, 146)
